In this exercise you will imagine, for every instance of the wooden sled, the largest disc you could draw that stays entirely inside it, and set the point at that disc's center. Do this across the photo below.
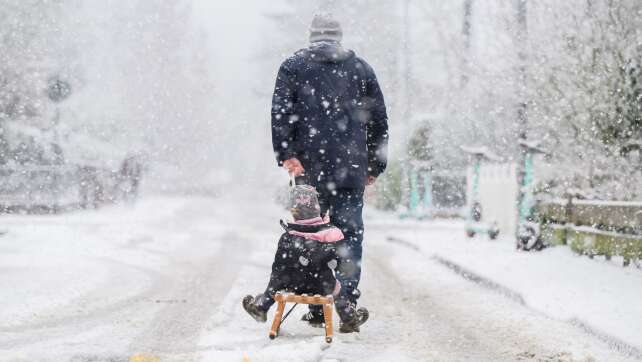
(282, 298)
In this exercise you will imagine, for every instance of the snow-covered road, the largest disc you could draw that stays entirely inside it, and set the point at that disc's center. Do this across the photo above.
(163, 280)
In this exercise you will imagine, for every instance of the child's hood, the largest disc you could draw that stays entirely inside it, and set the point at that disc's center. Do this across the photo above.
(318, 229)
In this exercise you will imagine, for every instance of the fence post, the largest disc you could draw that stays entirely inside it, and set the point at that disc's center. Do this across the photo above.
(568, 215)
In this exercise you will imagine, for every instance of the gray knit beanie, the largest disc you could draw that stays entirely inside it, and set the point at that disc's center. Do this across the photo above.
(325, 27)
(304, 202)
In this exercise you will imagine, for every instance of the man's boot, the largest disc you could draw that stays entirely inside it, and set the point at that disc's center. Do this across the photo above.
(253, 309)
(351, 317)
(352, 323)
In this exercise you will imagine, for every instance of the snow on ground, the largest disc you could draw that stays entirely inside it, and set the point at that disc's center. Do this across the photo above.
(164, 279)
(599, 295)
(49, 261)
(420, 311)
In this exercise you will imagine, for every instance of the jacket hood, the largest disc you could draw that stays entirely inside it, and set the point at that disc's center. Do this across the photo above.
(326, 52)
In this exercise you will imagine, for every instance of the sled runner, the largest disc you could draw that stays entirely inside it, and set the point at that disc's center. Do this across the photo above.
(283, 298)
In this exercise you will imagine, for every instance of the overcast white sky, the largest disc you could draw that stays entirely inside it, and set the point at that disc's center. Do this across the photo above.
(233, 29)
(235, 32)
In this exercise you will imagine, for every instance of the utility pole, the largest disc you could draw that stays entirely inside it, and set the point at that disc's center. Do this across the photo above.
(522, 37)
(522, 107)
(405, 102)
(465, 67)
(407, 62)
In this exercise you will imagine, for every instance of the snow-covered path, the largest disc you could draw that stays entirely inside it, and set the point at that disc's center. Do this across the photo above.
(163, 281)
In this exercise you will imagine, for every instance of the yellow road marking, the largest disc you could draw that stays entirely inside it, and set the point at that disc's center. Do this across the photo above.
(141, 357)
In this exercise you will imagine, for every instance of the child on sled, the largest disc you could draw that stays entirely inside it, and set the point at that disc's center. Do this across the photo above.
(301, 263)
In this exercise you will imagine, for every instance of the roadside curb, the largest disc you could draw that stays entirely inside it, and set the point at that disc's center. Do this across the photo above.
(476, 278)
(403, 242)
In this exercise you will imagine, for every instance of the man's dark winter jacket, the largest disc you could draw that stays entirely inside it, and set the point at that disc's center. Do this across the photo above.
(328, 111)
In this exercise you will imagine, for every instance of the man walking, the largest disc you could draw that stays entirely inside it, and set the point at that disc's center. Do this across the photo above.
(329, 126)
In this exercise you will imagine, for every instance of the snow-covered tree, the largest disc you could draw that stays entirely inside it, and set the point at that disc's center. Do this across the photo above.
(583, 89)
(30, 40)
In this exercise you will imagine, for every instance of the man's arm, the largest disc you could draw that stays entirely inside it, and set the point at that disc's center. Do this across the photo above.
(284, 119)
(377, 128)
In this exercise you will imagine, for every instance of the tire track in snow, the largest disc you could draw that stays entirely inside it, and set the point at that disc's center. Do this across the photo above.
(175, 328)
(76, 316)
(407, 322)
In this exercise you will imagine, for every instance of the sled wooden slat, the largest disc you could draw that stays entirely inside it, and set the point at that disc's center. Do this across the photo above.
(282, 298)
(303, 299)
